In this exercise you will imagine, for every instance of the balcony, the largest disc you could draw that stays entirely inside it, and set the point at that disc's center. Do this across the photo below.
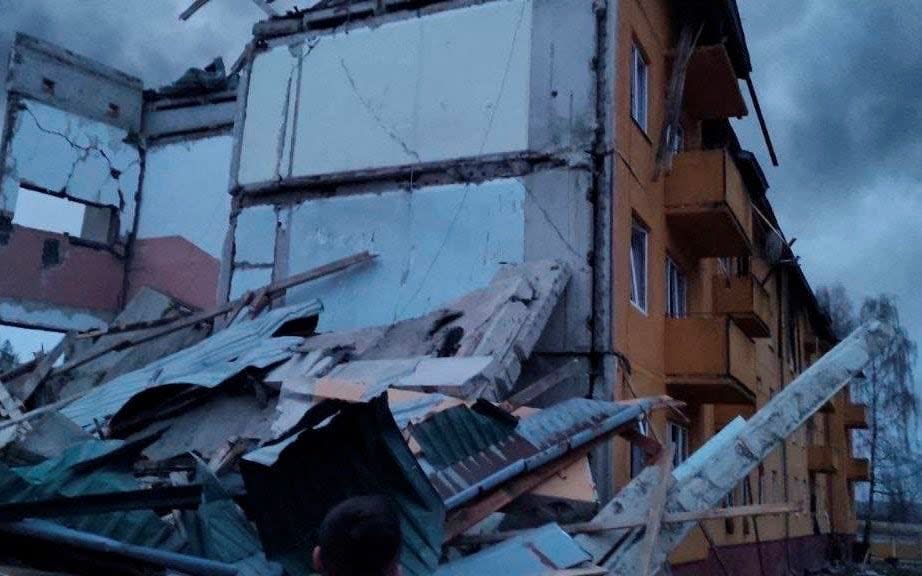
(858, 470)
(709, 360)
(855, 416)
(822, 459)
(745, 301)
(712, 90)
(707, 206)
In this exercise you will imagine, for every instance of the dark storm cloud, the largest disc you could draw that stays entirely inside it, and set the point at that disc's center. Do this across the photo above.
(841, 85)
(141, 37)
(852, 72)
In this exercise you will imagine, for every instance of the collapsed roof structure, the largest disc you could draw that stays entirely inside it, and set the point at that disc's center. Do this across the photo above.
(408, 286)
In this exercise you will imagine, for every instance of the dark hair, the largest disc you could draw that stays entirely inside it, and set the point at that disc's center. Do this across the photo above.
(360, 537)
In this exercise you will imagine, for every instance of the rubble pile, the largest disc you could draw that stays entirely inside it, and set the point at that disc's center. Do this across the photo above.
(215, 443)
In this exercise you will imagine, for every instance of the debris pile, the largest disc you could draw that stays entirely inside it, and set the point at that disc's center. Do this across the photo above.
(215, 442)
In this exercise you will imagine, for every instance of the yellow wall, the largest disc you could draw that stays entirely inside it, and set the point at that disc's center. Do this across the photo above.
(640, 337)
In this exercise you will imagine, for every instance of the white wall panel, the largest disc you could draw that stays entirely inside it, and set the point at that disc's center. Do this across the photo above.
(66, 153)
(450, 85)
(434, 245)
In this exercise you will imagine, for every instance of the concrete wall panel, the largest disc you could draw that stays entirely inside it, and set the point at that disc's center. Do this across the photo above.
(451, 85)
(68, 154)
(434, 245)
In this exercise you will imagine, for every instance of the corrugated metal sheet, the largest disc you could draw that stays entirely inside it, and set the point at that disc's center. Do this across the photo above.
(81, 470)
(346, 450)
(209, 363)
(540, 551)
(538, 439)
(459, 433)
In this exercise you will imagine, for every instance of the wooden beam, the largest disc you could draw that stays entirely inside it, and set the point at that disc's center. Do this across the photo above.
(715, 469)
(43, 368)
(641, 521)
(657, 507)
(463, 519)
(688, 38)
(539, 387)
(273, 290)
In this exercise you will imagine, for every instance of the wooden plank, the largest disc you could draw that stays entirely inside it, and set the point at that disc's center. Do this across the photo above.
(274, 290)
(44, 368)
(657, 507)
(641, 521)
(542, 385)
(704, 479)
(463, 519)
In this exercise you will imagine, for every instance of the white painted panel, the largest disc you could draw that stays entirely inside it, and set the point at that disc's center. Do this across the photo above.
(254, 236)
(449, 85)
(271, 79)
(185, 192)
(62, 152)
(434, 245)
(558, 225)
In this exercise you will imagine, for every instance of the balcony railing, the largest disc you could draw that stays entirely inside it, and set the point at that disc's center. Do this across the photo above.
(707, 206)
(709, 360)
(746, 301)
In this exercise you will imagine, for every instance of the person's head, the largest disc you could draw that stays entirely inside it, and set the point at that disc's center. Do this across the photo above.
(359, 537)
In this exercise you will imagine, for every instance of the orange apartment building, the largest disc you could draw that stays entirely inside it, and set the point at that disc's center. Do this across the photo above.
(710, 305)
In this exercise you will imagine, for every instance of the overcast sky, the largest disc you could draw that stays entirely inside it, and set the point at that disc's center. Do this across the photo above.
(840, 83)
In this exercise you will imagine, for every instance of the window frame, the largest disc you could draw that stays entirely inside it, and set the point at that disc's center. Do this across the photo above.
(640, 87)
(682, 448)
(676, 303)
(640, 291)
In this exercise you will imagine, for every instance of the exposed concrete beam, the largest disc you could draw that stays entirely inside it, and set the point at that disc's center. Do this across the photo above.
(715, 469)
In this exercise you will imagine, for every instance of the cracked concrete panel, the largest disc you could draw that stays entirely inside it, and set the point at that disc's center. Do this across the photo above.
(254, 236)
(64, 153)
(271, 86)
(185, 192)
(433, 245)
(558, 224)
(454, 84)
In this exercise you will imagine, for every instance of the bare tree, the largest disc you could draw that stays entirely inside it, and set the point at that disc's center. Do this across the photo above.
(887, 390)
(837, 304)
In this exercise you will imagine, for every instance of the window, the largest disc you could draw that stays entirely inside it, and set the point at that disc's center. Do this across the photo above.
(677, 141)
(639, 86)
(676, 291)
(679, 436)
(638, 454)
(639, 236)
(41, 211)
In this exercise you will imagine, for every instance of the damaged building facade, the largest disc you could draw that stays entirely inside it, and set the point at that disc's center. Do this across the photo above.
(453, 140)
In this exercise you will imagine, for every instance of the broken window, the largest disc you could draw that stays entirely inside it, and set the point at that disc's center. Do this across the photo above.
(639, 236)
(639, 86)
(41, 211)
(638, 454)
(676, 291)
(679, 435)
